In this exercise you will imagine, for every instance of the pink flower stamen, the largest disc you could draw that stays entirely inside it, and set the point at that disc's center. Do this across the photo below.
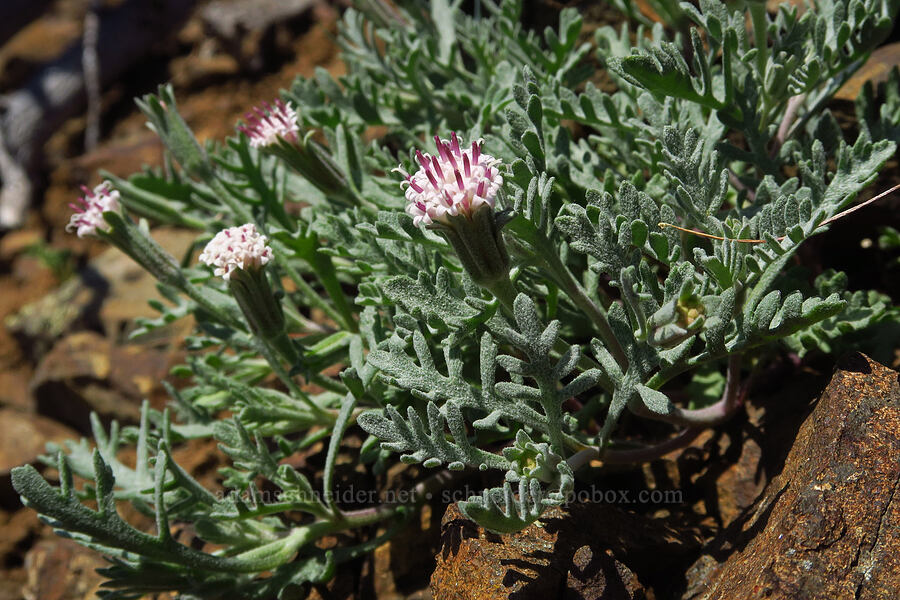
(437, 167)
(454, 141)
(88, 213)
(225, 254)
(267, 124)
(433, 194)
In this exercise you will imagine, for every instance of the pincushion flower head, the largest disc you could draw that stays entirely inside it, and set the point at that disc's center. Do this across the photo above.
(238, 255)
(236, 248)
(275, 129)
(269, 123)
(88, 217)
(455, 182)
(454, 192)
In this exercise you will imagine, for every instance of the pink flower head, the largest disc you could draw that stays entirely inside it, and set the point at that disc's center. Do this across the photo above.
(88, 217)
(454, 182)
(236, 248)
(266, 125)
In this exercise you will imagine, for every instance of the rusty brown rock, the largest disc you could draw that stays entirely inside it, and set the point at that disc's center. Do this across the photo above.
(85, 372)
(22, 440)
(580, 551)
(829, 525)
(60, 569)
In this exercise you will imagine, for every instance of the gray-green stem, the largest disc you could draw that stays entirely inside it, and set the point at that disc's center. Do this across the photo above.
(696, 421)
(597, 315)
(760, 35)
(713, 414)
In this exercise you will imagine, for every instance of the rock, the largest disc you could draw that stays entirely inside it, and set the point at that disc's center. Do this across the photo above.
(580, 551)
(875, 70)
(107, 295)
(16, 529)
(723, 471)
(60, 569)
(402, 564)
(11, 583)
(828, 526)
(14, 386)
(39, 324)
(14, 243)
(22, 441)
(242, 26)
(85, 372)
(128, 287)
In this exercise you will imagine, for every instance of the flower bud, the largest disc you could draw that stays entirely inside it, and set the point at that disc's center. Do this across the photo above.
(676, 321)
(175, 134)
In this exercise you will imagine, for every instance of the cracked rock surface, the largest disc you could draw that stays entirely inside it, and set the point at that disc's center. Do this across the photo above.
(829, 525)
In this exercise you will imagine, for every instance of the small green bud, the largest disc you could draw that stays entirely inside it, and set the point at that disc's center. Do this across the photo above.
(676, 321)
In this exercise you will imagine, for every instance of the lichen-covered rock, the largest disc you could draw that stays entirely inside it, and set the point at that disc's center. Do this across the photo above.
(829, 525)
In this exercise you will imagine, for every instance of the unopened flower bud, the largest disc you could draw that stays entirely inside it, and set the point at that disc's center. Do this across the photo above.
(178, 138)
(676, 321)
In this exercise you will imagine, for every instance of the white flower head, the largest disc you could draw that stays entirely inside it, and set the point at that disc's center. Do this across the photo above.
(454, 182)
(88, 217)
(236, 248)
(268, 124)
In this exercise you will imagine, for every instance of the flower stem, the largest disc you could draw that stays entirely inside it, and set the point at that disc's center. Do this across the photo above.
(696, 421)
(760, 35)
(504, 291)
(273, 353)
(597, 315)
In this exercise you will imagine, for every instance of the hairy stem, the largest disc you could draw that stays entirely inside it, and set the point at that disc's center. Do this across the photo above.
(651, 453)
(760, 35)
(696, 421)
(713, 414)
(597, 315)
